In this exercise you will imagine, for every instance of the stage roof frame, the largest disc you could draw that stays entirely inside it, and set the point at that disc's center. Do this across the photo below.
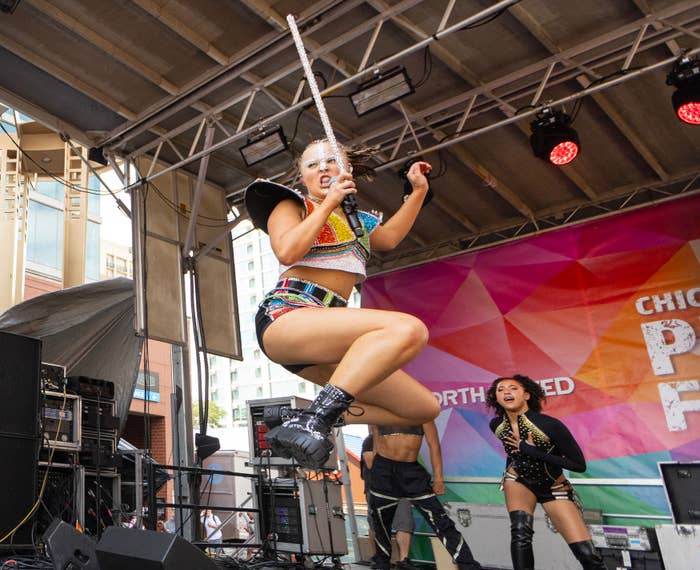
(145, 79)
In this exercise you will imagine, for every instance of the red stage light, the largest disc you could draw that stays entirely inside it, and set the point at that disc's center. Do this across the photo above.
(685, 77)
(553, 138)
(689, 113)
(563, 153)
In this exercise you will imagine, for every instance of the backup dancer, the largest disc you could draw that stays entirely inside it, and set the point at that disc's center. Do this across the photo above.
(396, 475)
(538, 448)
(304, 324)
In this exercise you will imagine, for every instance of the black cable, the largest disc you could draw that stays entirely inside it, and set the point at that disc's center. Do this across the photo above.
(176, 208)
(63, 181)
(200, 322)
(427, 68)
(146, 355)
(296, 123)
(487, 19)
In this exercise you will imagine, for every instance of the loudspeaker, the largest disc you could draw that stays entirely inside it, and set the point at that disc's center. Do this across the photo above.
(69, 549)
(682, 485)
(20, 361)
(122, 548)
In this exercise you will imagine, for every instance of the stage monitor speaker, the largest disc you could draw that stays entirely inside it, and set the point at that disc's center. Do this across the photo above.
(20, 362)
(122, 548)
(682, 485)
(70, 549)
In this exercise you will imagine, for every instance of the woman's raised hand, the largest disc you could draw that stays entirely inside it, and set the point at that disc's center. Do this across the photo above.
(341, 187)
(416, 175)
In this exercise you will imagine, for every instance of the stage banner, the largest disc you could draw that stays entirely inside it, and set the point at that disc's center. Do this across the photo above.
(605, 315)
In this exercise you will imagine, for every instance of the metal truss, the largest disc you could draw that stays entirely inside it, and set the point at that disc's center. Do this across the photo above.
(619, 200)
(449, 117)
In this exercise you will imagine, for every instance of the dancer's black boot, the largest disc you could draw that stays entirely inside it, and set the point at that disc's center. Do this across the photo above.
(306, 438)
(521, 540)
(587, 555)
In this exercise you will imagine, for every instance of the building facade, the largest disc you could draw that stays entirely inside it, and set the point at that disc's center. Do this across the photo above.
(50, 238)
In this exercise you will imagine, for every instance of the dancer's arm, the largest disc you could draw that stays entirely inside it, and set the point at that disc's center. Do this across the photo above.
(433, 441)
(368, 454)
(292, 233)
(390, 234)
(569, 454)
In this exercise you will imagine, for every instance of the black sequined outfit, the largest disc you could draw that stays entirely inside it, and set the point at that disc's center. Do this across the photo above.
(538, 466)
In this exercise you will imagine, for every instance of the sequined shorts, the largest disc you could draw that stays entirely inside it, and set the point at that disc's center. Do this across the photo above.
(544, 493)
(290, 294)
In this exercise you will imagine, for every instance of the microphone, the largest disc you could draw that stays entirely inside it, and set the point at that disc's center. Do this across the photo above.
(349, 205)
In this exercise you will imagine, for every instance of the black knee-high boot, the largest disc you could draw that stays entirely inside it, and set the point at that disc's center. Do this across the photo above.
(587, 555)
(306, 436)
(521, 540)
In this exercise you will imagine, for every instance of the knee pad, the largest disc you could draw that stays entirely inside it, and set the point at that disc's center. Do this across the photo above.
(521, 528)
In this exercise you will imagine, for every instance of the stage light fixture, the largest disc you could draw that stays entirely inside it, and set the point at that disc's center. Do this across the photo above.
(381, 90)
(553, 139)
(264, 145)
(8, 6)
(685, 77)
(96, 154)
(206, 445)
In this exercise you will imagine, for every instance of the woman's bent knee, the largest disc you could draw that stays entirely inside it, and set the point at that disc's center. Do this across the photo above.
(410, 331)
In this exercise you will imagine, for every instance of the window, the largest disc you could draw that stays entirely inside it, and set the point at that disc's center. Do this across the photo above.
(258, 372)
(51, 188)
(147, 390)
(234, 376)
(253, 300)
(153, 381)
(94, 196)
(45, 235)
(251, 265)
(110, 261)
(235, 394)
(259, 391)
(92, 252)
(256, 354)
(121, 266)
(302, 387)
(249, 249)
(251, 282)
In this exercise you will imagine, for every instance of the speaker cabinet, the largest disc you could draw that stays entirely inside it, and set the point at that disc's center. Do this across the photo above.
(682, 485)
(69, 548)
(20, 361)
(122, 548)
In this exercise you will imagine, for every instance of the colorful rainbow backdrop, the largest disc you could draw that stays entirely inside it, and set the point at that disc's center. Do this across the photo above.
(561, 305)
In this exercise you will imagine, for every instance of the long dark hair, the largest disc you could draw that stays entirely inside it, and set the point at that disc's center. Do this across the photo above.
(536, 392)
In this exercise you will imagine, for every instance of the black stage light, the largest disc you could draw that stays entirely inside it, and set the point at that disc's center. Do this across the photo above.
(685, 77)
(206, 445)
(264, 145)
(8, 6)
(96, 154)
(553, 139)
(381, 90)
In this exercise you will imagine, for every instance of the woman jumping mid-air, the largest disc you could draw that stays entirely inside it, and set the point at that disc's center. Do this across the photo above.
(538, 448)
(304, 324)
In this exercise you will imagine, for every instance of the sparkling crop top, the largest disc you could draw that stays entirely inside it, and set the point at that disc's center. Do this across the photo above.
(554, 447)
(337, 247)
